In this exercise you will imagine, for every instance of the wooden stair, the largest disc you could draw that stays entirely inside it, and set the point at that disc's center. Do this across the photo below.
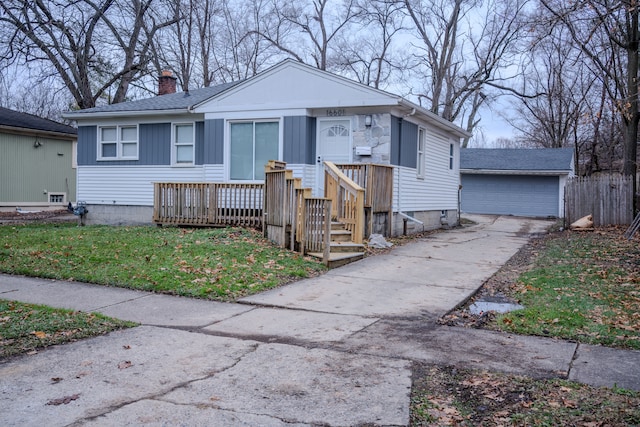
(342, 249)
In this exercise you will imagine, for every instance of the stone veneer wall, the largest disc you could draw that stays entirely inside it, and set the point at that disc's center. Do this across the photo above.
(377, 136)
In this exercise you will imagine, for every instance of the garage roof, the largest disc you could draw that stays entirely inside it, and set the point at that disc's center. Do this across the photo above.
(517, 160)
(17, 121)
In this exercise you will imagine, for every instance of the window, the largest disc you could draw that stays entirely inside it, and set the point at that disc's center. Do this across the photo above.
(253, 144)
(451, 156)
(56, 197)
(420, 161)
(183, 144)
(118, 142)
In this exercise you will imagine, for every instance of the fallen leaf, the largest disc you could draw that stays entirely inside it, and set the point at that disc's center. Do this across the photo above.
(39, 334)
(63, 400)
(125, 364)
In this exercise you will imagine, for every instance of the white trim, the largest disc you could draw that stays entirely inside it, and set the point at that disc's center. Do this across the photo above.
(174, 145)
(118, 142)
(421, 161)
(119, 114)
(319, 175)
(227, 142)
(513, 172)
(242, 114)
(57, 193)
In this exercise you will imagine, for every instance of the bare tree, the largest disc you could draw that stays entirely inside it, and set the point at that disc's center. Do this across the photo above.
(554, 70)
(94, 48)
(608, 34)
(308, 31)
(368, 53)
(466, 48)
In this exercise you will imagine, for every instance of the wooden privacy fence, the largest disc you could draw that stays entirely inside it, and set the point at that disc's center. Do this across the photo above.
(609, 198)
(201, 204)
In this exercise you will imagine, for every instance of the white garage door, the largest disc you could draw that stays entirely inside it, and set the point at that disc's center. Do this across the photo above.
(510, 195)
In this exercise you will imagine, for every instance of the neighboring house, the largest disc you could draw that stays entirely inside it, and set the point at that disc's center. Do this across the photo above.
(291, 112)
(521, 182)
(37, 162)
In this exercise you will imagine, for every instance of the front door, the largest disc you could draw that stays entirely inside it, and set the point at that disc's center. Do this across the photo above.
(334, 145)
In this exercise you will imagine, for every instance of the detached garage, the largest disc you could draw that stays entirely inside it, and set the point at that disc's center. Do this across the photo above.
(521, 182)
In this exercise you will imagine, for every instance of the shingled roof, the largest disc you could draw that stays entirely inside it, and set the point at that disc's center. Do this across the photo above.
(514, 159)
(172, 101)
(17, 120)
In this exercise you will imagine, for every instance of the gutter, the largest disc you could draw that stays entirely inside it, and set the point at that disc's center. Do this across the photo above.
(513, 172)
(436, 119)
(39, 132)
(111, 114)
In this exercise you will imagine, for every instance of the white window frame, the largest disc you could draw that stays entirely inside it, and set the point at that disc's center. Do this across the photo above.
(228, 144)
(119, 142)
(51, 195)
(175, 144)
(421, 154)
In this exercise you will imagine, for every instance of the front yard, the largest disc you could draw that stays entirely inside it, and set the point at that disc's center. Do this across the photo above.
(219, 264)
(582, 287)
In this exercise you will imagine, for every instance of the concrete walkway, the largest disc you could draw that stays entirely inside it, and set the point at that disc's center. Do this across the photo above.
(332, 350)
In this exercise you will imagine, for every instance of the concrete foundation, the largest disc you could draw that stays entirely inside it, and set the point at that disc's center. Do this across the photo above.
(119, 215)
(430, 220)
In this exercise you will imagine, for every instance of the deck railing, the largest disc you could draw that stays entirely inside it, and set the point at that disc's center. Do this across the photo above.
(347, 200)
(190, 203)
(293, 218)
(286, 212)
(377, 181)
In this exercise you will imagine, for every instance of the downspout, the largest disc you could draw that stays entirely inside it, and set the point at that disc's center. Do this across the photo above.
(405, 217)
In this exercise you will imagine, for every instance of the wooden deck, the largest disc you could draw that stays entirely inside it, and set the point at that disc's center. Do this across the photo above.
(286, 212)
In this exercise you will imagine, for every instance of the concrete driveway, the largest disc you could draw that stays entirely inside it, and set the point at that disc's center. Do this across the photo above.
(426, 278)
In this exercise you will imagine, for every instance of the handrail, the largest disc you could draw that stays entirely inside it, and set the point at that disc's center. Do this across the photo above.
(342, 178)
(347, 201)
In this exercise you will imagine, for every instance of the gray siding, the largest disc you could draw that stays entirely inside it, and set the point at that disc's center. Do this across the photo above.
(396, 125)
(87, 142)
(404, 143)
(299, 140)
(213, 137)
(200, 143)
(535, 196)
(409, 145)
(154, 145)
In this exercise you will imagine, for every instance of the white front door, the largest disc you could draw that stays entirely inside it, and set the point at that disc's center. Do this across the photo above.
(333, 145)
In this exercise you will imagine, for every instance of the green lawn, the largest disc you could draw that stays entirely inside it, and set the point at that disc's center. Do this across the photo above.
(24, 328)
(219, 264)
(584, 287)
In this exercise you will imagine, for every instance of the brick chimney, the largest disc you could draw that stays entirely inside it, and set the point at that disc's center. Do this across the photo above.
(166, 83)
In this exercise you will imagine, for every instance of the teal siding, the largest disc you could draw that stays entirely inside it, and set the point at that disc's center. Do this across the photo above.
(27, 173)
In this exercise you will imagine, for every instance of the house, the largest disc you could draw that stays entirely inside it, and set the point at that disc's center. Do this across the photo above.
(291, 112)
(522, 182)
(37, 162)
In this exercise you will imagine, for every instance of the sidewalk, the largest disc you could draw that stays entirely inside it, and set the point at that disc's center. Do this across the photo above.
(335, 349)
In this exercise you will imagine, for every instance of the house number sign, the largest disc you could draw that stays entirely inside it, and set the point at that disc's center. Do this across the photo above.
(335, 112)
